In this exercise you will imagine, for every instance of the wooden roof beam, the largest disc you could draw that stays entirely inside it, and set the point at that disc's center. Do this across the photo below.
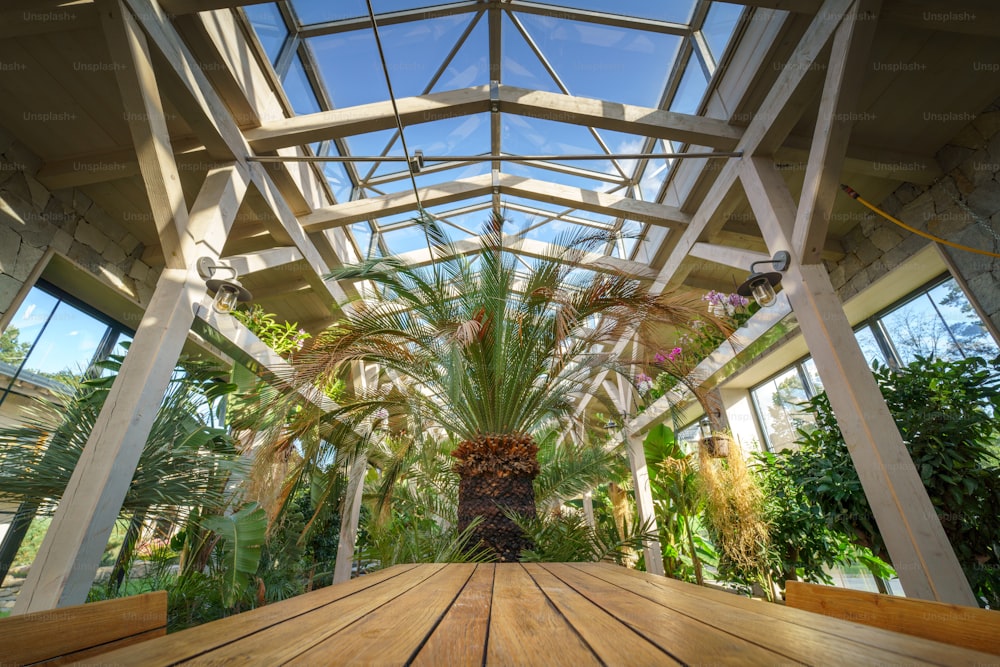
(583, 111)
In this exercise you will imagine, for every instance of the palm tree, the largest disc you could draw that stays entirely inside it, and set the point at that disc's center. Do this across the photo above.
(488, 354)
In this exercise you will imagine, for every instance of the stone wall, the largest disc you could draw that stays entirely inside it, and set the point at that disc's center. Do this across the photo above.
(963, 207)
(33, 219)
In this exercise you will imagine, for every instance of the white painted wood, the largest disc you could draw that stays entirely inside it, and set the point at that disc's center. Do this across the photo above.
(588, 508)
(147, 124)
(644, 501)
(727, 255)
(350, 515)
(917, 544)
(844, 77)
(64, 568)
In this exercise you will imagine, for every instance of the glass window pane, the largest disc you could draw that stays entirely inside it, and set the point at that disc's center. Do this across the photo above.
(719, 26)
(809, 366)
(270, 28)
(869, 346)
(67, 346)
(25, 327)
(298, 89)
(687, 99)
(778, 404)
(962, 320)
(915, 329)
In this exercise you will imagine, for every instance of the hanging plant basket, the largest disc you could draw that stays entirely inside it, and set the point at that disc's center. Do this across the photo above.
(717, 445)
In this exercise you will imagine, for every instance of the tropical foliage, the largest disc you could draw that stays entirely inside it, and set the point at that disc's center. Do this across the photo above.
(488, 355)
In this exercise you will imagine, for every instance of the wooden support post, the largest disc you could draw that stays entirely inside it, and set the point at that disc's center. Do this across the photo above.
(349, 518)
(913, 535)
(644, 501)
(588, 508)
(64, 568)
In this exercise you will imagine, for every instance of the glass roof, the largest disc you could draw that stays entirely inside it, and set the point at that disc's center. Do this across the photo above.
(660, 54)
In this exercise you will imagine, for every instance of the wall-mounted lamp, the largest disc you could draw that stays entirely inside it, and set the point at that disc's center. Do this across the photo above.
(761, 285)
(705, 427)
(228, 292)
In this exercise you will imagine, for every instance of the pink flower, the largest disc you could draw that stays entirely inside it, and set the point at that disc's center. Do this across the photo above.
(674, 353)
(643, 383)
(659, 358)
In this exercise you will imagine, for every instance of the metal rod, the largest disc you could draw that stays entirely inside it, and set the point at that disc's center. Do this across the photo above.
(492, 158)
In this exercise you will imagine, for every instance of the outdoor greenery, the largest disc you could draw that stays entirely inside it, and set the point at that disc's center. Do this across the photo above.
(945, 411)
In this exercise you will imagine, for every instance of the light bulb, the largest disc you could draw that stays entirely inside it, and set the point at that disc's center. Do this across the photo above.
(763, 293)
(225, 299)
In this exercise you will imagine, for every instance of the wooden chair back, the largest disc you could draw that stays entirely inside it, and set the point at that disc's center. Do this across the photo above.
(68, 634)
(968, 627)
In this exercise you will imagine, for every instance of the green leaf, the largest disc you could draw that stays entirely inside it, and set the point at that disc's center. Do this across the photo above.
(243, 535)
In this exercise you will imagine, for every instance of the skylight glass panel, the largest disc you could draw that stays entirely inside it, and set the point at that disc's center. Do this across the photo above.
(415, 51)
(350, 67)
(299, 91)
(340, 182)
(534, 136)
(471, 170)
(520, 66)
(464, 135)
(605, 62)
(403, 240)
(270, 28)
(362, 233)
(691, 88)
(653, 177)
(674, 11)
(720, 23)
(471, 65)
(321, 11)
(555, 231)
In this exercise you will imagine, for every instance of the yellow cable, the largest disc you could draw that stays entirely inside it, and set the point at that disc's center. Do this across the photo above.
(854, 195)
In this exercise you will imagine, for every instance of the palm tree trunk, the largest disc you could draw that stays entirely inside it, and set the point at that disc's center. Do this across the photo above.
(495, 474)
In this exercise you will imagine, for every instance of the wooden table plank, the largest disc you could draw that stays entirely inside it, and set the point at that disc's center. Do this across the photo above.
(790, 627)
(526, 630)
(189, 643)
(688, 640)
(285, 641)
(460, 639)
(393, 633)
(614, 642)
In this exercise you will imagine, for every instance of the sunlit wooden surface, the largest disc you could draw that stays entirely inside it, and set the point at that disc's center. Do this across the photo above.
(533, 614)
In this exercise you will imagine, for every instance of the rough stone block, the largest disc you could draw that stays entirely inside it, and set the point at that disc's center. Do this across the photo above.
(139, 271)
(81, 202)
(86, 257)
(104, 222)
(114, 254)
(885, 238)
(907, 192)
(868, 253)
(39, 193)
(16, 186)
(951, 156)
(984, 290)
(838, 277)
(10, 241)
(27, 259)
(985, 201)
(968, 137)
(62, 241)
(8, 290)
(56, 213)
(92, 236)
(987, 123)
(918, 211)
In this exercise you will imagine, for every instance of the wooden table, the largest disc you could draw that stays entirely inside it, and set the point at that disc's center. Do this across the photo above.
(533, 614)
